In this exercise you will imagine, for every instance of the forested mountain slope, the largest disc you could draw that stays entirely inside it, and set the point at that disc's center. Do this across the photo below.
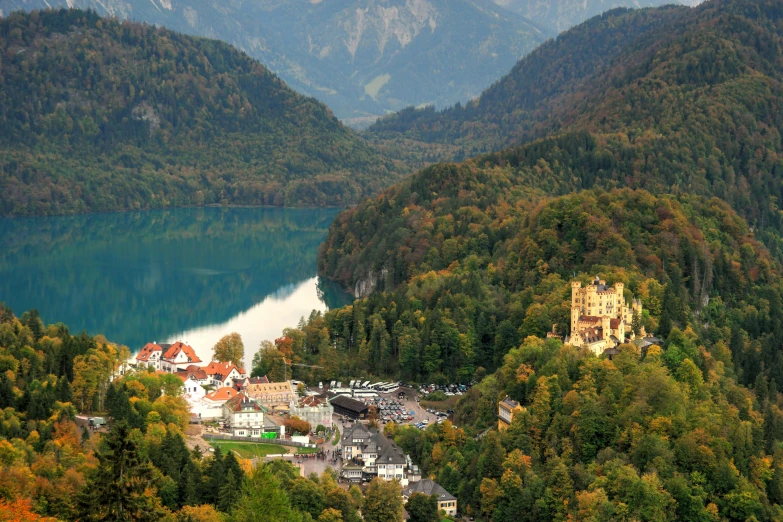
(629, 72)
(484, 266)
(360, 57)
(102, 115)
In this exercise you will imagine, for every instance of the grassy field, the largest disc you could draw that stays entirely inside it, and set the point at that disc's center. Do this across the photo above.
(305, 451)
(248, 450)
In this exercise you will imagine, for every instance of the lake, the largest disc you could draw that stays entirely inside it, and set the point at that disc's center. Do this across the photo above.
(192, 274)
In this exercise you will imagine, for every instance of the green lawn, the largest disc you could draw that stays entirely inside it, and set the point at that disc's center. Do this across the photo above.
(305, 451)
(248, 450)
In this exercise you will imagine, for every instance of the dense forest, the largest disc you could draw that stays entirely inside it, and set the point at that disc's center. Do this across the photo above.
(671, 99)
(464, 287)
(101, 115)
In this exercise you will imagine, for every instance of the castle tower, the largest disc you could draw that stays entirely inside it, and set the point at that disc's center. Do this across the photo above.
(606, 327)
(576, 290)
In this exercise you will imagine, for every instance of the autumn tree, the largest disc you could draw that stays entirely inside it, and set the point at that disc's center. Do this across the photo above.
(383, 502)
(229, 349)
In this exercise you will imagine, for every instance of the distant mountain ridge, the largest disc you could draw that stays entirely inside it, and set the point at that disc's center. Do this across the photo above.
(361, 58)
(101, 115)
(560, 15)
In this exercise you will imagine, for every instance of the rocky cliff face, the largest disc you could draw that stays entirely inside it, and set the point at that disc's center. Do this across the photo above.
(361, 57)
(559, 15)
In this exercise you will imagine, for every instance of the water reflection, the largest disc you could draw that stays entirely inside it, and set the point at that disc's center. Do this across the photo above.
(156, 275)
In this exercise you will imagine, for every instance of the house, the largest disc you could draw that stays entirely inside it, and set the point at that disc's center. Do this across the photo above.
(369, 450)
(194, 373)
(313, 409)
(222, 375)
(272, 395)
(446, 501)
(150, 355)
(178, 356)
(348, 407)
(507, 408)
(600, 315)
(191, 387)
(244, 416)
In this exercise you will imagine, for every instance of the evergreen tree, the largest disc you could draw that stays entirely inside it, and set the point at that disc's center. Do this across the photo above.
(229, 493)
(214, 476)
(119, 489)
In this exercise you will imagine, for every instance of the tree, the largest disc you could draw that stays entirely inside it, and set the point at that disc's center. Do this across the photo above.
(490, 463)
(307, 496)
(423, 508)
(297, 425)
(229, 493)
(330, 515)
(383, 502)
(229, 349)
(203, 513)
(120, 488)
(269, 361)
(263, 500)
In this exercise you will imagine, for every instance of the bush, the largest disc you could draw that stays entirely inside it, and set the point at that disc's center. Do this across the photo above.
(437, 396)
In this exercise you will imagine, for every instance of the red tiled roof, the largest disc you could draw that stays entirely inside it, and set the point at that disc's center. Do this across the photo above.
(589, 319)
(614, 324)
(147, 351)
(198, 374)
(219, 368)
(178, 347)
(223, 394)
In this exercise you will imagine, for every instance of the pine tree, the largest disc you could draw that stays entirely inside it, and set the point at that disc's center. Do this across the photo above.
(214, 476)
(119, 487)
(229, 493)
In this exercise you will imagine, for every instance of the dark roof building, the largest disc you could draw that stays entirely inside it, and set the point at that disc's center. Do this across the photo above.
(350, 408)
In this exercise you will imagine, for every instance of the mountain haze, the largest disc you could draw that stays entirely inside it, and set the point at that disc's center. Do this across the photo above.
(102, 115)
(362, 58)
(560, 15)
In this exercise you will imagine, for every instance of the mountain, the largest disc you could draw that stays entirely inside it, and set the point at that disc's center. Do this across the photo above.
(560, 15)
(362, 58)
(101, 115)
(672, 100)
(485, 269)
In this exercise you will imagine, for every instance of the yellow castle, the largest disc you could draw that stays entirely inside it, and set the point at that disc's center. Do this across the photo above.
(600, 316)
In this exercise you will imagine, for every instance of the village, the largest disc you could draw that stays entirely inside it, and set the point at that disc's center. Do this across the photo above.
(327, 426)
(341, 426)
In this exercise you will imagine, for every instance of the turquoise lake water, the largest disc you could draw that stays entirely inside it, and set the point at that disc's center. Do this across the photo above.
(192, 274)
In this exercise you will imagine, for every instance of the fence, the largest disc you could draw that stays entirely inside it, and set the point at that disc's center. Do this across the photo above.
(281, 442)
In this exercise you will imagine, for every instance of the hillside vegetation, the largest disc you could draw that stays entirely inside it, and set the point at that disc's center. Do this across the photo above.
(676, 100)
(362, 58)
(102, 115)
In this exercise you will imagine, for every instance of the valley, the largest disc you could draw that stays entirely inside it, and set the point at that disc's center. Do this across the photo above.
(562, 300)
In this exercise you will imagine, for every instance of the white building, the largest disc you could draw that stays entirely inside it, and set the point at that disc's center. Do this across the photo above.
(312, 409)
(369, 451)
(244, 416)
(150, 355)
(178, 356)
(222, 375)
